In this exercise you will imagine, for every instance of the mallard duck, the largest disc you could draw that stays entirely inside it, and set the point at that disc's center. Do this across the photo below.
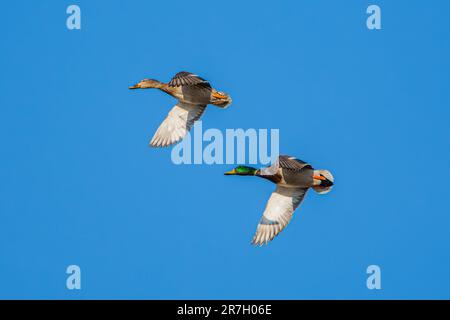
(193, 94)
(293, 178)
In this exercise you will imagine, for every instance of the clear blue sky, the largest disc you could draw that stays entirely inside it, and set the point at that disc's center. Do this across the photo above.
(79, 185)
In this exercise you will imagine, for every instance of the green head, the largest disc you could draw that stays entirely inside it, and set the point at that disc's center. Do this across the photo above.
(242, 171)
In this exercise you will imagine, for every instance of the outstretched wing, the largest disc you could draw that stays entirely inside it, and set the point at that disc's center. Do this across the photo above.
(292, 163)
(284, 162)
(278, 213)
(177, 124)
(184, 78)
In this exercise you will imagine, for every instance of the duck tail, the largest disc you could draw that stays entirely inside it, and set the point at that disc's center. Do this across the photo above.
(327, 185)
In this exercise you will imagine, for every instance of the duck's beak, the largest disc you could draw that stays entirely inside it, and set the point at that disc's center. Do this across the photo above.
(136, 86)
(229, 173)
(319, 178)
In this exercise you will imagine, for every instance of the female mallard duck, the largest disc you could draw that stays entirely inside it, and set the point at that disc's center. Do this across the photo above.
(293, 178)
(193, 94)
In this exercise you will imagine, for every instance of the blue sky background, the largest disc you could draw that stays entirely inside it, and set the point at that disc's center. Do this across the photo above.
(79, 185)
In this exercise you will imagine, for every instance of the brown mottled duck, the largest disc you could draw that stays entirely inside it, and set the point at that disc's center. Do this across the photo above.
(193, 94)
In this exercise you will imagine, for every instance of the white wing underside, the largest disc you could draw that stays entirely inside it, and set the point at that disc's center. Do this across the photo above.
(177, 124)
(278, 213)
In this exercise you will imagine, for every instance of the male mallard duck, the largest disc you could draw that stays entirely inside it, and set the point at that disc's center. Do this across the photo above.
(293, 178)
(193, 94)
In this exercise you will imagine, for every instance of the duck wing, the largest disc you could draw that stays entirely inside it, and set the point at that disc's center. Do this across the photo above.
(278, 213)
(184, 78)
(177, 124)
(284, 162)
(292, 163)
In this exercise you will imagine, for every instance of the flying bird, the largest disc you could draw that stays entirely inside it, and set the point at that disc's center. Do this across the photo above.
(193, 94)
(293, 178)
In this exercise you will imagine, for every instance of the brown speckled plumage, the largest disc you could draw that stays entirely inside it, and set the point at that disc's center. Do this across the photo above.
(193, 94)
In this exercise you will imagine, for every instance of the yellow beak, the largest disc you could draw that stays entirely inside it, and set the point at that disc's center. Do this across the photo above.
(319, 178)
(232, 172)
(136, 86)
